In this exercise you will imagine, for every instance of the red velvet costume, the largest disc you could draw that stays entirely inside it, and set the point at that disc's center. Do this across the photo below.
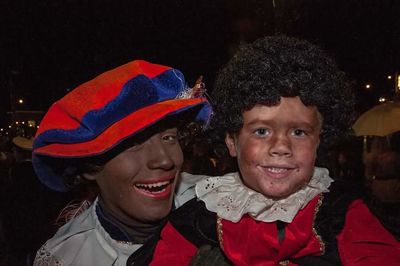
(362, 240)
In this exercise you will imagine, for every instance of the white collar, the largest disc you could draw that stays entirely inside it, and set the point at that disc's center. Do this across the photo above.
(231, 199)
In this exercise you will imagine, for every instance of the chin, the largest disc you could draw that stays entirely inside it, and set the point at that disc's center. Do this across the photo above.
(156, 218)
(159, 212)
(276, 195)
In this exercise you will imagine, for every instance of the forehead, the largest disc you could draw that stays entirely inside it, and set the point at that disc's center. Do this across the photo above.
(289, 110)
(160, 126)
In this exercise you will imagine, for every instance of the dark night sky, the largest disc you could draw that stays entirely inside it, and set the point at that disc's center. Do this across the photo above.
(48, 47)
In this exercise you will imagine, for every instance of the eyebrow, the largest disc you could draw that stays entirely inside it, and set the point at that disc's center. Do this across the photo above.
(291, 124)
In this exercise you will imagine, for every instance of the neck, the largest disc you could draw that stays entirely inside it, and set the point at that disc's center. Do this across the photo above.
(126, 229)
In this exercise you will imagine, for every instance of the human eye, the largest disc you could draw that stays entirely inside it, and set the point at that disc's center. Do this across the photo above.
(170, 136)
(299, 132)
(261, 132)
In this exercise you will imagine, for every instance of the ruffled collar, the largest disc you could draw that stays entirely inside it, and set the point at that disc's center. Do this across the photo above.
(231, 199)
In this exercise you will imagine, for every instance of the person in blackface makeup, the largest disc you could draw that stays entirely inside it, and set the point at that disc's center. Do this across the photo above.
(121, 132)
(276, 103)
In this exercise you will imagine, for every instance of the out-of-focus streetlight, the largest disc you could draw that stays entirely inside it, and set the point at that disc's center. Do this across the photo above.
(20, 101)
(389, 77)
(31, 123)
(397, 89)
(368, 86)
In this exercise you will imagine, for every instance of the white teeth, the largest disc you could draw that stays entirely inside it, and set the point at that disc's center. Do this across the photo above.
(153, 185)
(156, 192)
(277, 170)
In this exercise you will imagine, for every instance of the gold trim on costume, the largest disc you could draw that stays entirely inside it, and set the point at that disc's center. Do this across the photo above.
(219, 232)
(321, 242)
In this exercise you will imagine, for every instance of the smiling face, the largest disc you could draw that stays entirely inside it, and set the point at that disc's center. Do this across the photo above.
(139, 182)
(276, 147)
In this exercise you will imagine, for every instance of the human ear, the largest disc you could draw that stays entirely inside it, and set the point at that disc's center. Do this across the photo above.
(230, 143)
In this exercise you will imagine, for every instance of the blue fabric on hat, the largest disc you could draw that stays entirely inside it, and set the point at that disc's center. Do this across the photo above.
(135, 94)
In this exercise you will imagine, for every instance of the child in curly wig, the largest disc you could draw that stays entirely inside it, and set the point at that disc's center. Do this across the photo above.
(276, 103)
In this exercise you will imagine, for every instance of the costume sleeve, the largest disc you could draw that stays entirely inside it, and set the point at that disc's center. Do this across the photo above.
(190, 233)
(364, 241)
(45, 258)
(173, 248)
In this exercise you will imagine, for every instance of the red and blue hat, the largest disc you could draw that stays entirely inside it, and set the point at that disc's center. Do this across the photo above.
(101, 113)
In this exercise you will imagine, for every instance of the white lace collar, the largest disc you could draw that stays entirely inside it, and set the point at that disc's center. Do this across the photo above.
(231, 199)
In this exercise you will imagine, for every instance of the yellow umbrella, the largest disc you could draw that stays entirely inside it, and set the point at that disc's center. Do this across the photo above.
(381, 120)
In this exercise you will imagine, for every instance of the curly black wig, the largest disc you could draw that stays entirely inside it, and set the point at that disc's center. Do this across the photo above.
(280, 66)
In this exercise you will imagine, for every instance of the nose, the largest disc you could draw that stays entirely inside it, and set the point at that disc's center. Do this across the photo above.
(159, 156)
(280, 146)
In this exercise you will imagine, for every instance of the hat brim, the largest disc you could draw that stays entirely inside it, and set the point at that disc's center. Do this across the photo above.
(120, 130)
(125, 128)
